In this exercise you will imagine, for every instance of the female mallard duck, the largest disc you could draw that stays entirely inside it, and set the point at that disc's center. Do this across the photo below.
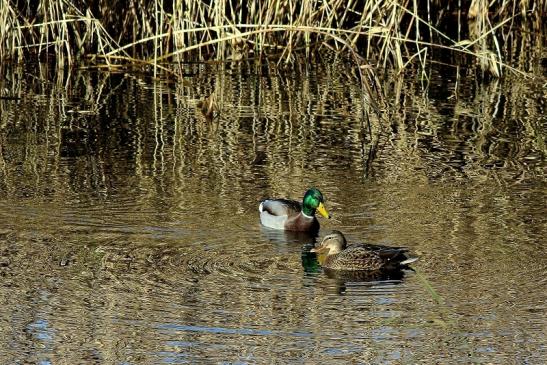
(290, 215)
(335, 254)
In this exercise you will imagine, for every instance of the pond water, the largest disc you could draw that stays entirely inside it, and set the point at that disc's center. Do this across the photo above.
(129, 229)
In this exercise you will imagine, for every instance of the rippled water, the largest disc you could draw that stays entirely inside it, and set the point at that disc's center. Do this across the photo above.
(129, 229)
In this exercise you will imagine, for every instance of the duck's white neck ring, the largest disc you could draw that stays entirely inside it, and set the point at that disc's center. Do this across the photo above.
(307, 216)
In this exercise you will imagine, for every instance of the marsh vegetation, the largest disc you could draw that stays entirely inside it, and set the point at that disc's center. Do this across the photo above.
(380, 33)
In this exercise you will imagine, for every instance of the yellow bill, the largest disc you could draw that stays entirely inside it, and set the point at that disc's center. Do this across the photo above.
(323, 211)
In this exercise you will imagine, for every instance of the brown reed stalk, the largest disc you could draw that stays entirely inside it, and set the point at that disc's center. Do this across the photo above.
(389, 33)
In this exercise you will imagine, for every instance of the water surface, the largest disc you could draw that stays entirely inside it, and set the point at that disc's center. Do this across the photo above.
(129, 229)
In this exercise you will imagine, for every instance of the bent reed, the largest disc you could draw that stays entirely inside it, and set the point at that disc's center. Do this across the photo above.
(384, 33)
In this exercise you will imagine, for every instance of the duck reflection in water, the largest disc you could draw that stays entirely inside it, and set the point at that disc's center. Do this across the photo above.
(360, 262)
(280, 236)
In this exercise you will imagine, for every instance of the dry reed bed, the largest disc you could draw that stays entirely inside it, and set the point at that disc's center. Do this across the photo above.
(385, 33)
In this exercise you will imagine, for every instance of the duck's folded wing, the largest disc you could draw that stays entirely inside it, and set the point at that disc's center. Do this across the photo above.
(386, 254)
(280, 207)
(395, 255)
(358, 257)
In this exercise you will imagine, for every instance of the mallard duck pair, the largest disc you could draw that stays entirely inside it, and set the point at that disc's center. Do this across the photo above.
(334, 252)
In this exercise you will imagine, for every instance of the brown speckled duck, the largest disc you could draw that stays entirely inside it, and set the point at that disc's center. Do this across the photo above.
(291, 215)
(335, 254)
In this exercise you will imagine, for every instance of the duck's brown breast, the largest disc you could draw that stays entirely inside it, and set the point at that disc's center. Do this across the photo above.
(301, 223)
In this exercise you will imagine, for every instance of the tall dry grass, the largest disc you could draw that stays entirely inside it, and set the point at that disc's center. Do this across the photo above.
(385, 33)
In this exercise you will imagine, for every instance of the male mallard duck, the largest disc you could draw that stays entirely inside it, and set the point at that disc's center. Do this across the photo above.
(335, 254)
(290, 215)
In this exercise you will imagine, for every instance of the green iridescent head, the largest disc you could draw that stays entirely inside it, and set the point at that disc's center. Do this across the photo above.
(313, 200)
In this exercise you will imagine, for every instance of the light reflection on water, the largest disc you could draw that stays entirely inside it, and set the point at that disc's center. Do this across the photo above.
(130, 235)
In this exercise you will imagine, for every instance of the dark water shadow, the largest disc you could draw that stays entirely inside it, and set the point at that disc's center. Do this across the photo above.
(363, 276)
(364, 283)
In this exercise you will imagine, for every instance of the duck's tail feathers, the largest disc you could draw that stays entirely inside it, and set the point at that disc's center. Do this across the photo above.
(408, 261)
